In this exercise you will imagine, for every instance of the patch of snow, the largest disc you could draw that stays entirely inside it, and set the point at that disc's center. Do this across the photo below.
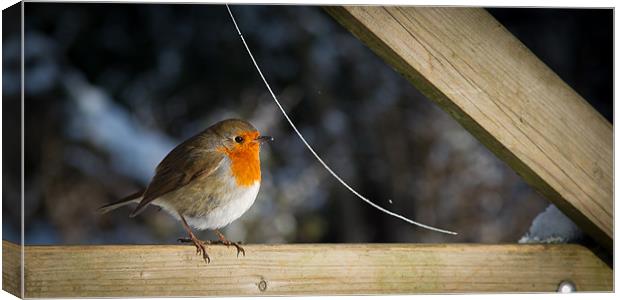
(552, 227)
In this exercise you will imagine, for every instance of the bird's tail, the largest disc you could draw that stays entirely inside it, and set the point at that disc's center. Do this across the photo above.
(133, 198)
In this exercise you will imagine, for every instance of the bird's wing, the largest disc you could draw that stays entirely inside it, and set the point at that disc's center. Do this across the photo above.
(181, 166)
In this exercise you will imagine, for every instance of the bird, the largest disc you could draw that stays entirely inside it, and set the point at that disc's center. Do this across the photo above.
(206, 182)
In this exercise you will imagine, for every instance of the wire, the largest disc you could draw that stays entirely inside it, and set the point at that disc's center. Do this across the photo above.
(314, 152)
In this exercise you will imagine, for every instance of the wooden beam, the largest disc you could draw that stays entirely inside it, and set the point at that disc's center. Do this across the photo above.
(304, 269)
(11, 268)
(484, 77)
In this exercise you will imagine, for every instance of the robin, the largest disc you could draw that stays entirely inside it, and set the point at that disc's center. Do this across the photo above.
(206, 182)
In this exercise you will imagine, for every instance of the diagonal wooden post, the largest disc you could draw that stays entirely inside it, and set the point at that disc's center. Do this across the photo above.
(484, 77)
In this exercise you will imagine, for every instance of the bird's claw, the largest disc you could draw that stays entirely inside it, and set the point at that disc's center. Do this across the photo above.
(200, 247)
(228, 243)
(239, 249)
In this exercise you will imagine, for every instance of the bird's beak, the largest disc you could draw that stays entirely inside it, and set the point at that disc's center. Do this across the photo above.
(263, 138)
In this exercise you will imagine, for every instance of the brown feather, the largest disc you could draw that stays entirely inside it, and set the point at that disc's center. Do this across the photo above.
(126, 200)
(193, 159)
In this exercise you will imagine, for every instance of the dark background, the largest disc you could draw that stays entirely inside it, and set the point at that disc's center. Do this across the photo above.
(111, 88)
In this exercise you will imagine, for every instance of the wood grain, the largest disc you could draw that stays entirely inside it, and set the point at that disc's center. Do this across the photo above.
(11, 270)
(306, 269)
(485, 78)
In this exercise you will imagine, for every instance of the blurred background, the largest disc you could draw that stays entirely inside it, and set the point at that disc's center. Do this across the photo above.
(111, 88)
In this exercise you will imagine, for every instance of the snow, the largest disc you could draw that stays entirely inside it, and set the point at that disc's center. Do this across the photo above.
(552, 227)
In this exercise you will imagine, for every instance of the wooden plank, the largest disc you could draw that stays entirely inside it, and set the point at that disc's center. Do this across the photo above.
(472, 67)
(11, 271)
(306, 269)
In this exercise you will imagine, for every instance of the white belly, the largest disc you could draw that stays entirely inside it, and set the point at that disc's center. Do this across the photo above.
(238, 203)
(235, 202)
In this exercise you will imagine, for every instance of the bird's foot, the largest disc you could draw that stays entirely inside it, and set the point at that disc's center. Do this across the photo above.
(200, 246)
(227, 243)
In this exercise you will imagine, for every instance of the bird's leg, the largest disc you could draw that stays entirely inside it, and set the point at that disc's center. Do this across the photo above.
(200, 247)
(222, 240)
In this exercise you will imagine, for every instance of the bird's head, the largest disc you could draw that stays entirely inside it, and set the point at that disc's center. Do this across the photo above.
(239, 135)
(241, 141)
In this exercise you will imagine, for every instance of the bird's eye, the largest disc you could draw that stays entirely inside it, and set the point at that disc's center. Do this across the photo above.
(239, 139)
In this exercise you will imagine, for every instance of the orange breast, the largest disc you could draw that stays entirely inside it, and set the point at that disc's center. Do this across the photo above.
(245, 163)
